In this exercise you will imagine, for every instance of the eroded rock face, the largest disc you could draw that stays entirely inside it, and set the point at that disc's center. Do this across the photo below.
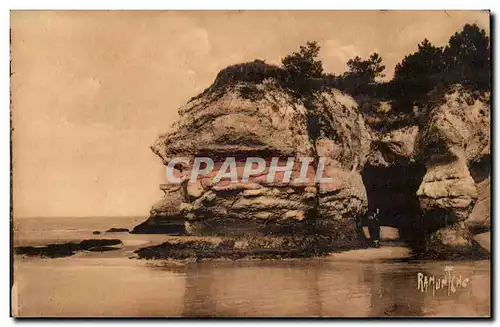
(264, 120)
(479, 220)
(165, 215)
(242, 120)
(395, 147)
(344, 142)
(453, 242)
(432, 179)
(431, 169)
(454, 136)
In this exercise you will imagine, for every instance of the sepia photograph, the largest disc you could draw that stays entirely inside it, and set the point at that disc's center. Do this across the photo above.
(250, 163)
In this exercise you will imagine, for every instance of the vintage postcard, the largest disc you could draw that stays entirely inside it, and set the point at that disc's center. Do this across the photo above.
(251, 164)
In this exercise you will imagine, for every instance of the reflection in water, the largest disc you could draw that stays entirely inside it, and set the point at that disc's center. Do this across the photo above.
(251, 289)
(393, 292)
(110, 284)
(93, 284)
(327, 288)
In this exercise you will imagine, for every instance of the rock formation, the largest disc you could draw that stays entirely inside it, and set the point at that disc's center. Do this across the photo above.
(424, 177)
(242, 119)
(395, 147)
(392, 174)
(165, 216)
(454, 138)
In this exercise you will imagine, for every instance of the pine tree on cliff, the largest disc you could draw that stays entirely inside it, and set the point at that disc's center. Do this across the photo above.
(362, 74)
(465, 60)
(416, 74)
(467, 56)
(301, 67)
(366, 70)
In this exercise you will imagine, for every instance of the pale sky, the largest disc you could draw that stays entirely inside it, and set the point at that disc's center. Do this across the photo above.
(92, 90)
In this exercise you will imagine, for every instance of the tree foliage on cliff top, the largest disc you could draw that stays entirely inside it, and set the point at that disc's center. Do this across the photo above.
(464, 60)
(296, 74)
(253, 72)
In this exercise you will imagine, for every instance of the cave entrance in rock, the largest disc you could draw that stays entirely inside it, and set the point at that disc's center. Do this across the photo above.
(393, 191)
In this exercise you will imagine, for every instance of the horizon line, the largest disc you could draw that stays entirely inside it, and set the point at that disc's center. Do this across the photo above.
(69, 216)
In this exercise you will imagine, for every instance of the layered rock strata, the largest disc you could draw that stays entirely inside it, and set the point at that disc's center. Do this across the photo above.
(265, 120)
(455, 136)
(430, 180)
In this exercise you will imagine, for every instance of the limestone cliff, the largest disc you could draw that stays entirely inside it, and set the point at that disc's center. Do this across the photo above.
(455, 136)
(394, 147)
(165, 215)
(425, 176)
(263, 119)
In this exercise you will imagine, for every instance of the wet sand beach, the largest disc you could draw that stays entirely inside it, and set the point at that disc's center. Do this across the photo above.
(359, 283)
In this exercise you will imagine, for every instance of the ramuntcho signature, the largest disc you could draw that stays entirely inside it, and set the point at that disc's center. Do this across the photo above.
(448, 282)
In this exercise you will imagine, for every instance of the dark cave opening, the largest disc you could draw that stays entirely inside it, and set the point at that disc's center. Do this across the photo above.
(393, 191)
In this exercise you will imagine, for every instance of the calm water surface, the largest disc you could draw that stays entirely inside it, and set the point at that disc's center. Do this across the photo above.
(112, 284)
